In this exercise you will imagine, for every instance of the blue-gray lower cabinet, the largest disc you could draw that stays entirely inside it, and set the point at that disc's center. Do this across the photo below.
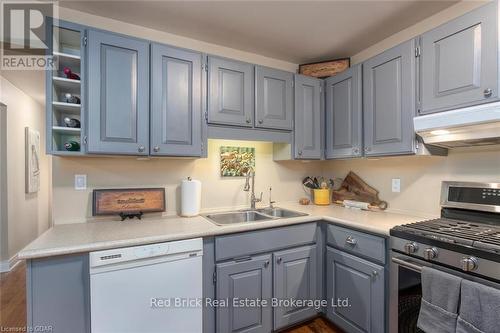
(295, 272)
(307, 125)
(249, 279)
(58, 293)
(361, 284)
(389, 103)
(343, 108)
(273, 98)
(175, 101)
(118, 94)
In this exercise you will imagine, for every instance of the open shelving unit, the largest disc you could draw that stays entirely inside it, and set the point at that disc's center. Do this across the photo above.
(67, 53)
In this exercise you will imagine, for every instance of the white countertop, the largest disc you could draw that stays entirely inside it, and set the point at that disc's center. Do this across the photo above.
(91, 236)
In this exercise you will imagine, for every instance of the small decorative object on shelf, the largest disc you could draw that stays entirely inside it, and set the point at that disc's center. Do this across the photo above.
(70, 75)
(72, 122)
(72, 98)
(72, 146)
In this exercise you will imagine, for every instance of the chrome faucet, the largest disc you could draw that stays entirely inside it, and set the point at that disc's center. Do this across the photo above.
(271, 202)
(253, 199)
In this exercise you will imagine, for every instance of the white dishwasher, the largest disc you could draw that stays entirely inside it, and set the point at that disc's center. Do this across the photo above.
(147, 289)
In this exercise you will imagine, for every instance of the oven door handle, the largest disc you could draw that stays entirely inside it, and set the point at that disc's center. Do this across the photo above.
(407, 264)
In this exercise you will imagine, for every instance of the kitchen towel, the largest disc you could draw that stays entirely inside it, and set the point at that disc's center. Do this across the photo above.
(479, 309)
(190, 197)
(440, 297)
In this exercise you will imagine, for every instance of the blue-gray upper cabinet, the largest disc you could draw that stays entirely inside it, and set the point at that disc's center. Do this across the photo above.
(230, 92)
(307, 133)
(118, 95)
(361, 284)
(344, 114)
(460, 61)
(175, 101)
(273, 98)
(295, 272)
(250, 279)
(389, 103)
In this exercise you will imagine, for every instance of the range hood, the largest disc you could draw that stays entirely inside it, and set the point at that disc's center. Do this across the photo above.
(472, 126)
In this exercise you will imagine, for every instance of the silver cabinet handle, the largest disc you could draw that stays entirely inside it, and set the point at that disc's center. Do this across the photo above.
(279, 260)
(355, 150)
(367, 149)
(156, 149)
(374, 273)
(248, 120)
(351, 241)
(300, 152)
(261, 121)
(141, 149)
(266, 263)
(488, 92)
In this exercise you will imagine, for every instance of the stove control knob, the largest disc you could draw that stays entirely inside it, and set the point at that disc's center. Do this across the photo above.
(411, 247)
(430, 253)
(469, 264)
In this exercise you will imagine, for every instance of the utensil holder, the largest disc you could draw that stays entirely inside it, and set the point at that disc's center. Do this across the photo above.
(321, 196)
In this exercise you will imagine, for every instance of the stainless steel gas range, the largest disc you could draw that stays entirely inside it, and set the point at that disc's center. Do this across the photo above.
(464, 241)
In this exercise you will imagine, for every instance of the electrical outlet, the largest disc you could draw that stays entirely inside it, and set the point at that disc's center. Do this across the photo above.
(396, 185)
(80, 182)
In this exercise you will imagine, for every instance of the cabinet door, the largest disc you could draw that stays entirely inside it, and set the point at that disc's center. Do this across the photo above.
(273, 98)
(343, 114)
(250, 279)
(295, 272)
(58, 293)
(307, 134)
(175, 101)
(359, 283)
(118, 110)
(231, 92)
(389, 101)
(460, 61)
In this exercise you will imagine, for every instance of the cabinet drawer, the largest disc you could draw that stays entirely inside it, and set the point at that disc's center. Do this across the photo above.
(356, 242)
(266, 240)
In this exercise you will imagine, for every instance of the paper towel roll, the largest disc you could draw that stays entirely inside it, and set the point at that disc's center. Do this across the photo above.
(190, 197)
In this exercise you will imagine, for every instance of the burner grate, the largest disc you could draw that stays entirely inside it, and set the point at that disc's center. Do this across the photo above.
(473, 234)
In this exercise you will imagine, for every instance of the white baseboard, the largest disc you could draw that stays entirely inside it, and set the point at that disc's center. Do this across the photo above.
(8, 265)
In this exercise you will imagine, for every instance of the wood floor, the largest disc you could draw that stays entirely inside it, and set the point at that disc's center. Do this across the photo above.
(13, 306)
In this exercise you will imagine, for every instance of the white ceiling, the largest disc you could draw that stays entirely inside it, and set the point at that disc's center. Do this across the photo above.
(294, 31)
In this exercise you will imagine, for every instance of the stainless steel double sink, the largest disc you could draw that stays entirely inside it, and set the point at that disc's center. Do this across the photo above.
(247, 216)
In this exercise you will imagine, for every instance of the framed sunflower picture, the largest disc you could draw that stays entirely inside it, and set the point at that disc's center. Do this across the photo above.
(236, 161)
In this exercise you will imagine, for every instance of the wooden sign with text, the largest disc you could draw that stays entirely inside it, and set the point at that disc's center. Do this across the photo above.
(128, 201)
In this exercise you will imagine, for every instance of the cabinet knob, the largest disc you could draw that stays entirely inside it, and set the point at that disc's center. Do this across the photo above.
(141, 149)
(156, 149)
(261, 121)
(367, 149)
(374, 273)
(279, 260)
(300, 152)
(351, 240)
(488, 92)
(248, 120)
(266, 263)
(355, 150)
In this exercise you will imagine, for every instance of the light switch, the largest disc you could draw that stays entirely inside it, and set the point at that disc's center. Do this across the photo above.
(396, 185)
(80, 182)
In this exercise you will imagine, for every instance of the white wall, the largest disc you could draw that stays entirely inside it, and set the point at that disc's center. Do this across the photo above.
(4, 255)
(218, 193)
(420, 176)
(28, 214)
